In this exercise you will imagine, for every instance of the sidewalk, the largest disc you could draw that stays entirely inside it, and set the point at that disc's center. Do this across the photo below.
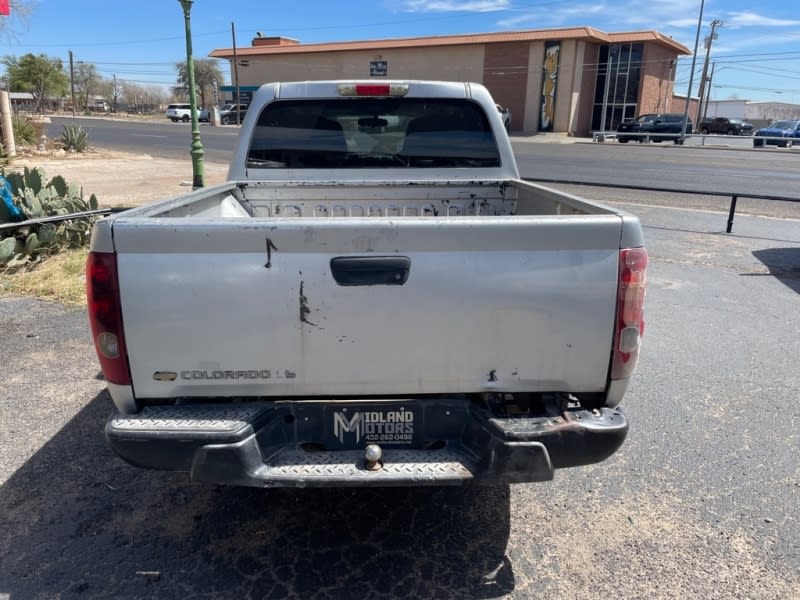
(692, 141)
(547, 138)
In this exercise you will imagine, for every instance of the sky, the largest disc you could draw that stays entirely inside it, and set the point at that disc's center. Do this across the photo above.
(756, 54)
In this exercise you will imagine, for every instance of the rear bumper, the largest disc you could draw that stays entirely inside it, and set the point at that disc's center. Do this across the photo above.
(281, 444)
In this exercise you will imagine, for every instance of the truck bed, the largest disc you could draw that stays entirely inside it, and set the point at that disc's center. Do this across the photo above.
(374, 199)
(506, 286)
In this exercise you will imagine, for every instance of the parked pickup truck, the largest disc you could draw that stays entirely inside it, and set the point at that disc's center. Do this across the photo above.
(726, 126)
(374, 297)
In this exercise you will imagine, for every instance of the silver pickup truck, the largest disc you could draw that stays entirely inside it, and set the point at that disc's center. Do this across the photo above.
(374, 297)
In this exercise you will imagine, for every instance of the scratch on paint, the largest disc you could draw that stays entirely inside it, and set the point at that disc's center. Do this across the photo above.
(304, 309)
(270, 248)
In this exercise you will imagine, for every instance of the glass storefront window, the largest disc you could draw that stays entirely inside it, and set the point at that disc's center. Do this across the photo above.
(622, 65)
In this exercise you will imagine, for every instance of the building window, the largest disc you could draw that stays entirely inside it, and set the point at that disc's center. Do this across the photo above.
(619, 71)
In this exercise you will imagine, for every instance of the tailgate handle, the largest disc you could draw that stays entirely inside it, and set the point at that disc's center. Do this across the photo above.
(370, 270)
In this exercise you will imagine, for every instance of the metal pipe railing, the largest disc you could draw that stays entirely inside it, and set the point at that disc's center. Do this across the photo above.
(58, 218)
(734, 196)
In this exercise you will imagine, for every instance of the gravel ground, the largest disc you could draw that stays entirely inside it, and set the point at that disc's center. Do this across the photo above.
(120, 179)
(700, 502)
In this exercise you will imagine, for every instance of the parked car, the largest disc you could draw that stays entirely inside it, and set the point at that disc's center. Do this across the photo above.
(227, 113)
(657, 127)
(505, 113)
(100, 106)
(726, 126)
(779, 133)
(183, 112)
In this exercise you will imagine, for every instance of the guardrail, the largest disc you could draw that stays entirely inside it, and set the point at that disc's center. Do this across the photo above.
(645, 137)
(637, 136)
(734, 196)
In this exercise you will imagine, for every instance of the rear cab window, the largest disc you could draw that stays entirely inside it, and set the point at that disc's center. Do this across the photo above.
(372, 133)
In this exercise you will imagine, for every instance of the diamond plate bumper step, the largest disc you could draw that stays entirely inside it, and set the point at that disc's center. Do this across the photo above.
(291, 443)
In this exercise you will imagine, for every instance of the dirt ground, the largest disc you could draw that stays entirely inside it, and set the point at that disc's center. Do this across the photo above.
(122, 179)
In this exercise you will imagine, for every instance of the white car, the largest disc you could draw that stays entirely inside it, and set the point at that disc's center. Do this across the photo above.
(183, 112)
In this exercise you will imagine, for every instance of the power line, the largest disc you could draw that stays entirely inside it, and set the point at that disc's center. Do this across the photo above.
(118, 43)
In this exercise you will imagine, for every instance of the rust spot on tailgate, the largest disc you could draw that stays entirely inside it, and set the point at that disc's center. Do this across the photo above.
(304, 308)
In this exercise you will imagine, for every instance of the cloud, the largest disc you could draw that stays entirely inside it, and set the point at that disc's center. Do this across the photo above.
(750, 19)
(515, 22)
(454, 5)
(688, 22)
(554, 17)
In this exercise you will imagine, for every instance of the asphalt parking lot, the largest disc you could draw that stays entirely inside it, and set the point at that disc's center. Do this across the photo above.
(701, 501)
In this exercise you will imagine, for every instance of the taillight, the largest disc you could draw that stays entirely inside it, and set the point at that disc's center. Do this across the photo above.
(372, 89)
(105, 316)
(630, 311)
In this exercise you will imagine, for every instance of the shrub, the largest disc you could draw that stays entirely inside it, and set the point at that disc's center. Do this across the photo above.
(74, 138)
(24, 131)
(35, 198)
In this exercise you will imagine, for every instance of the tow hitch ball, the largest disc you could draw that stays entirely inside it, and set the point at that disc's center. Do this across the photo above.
(372, 457)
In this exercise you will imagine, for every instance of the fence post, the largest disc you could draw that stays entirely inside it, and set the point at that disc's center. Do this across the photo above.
(731, 213)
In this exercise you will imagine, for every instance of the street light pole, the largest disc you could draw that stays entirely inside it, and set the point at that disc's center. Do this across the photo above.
(691, 74)
(197, 145)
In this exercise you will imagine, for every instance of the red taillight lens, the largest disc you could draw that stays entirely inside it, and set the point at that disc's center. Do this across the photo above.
(105, 316)
(630, 311)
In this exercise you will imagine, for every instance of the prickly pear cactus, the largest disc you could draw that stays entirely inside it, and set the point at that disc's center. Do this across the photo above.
(7, 246)
(36, 199)
(34, 179)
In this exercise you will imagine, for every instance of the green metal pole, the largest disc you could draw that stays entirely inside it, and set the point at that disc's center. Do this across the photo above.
(197, 145)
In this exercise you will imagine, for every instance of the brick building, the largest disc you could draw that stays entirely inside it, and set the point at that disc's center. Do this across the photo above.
(552, 80)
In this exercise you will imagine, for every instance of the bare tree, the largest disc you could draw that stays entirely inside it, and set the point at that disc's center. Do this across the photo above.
(158, 95)
(19, 11)
(143, 98)
(87, 82)
(112, 90)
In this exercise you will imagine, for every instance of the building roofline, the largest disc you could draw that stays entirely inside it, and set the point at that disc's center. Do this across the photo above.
(649, 36)
(585, 33)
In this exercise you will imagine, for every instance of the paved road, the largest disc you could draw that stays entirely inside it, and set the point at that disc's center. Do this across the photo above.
(162, 139)
(738, 168)
(701, 501)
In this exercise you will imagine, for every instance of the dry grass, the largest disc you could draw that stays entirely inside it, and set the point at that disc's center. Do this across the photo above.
(59, 278)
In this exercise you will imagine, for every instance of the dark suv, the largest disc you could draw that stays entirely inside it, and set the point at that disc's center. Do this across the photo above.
(726, 126)
(227, 113)
(656, 127)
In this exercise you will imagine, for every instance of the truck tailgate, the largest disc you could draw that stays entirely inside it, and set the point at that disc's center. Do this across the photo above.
(252, 308)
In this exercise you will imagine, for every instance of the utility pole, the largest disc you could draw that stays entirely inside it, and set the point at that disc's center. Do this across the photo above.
(708, 95)
(691, 75)
(72, 81)
(711, 37)
(197, 145)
